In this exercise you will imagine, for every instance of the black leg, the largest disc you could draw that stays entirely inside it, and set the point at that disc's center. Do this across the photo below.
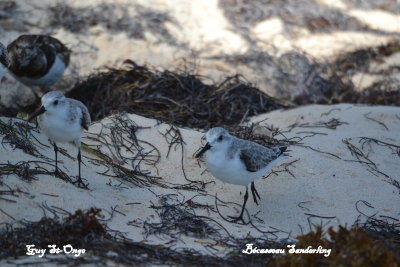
(79, 181)
(255, 193)
(235, 219)
(55, 151)
(79, 163)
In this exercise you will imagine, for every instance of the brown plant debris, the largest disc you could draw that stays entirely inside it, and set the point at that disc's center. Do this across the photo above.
(362, 155)
(350, 247)
(127, 156)
(77, 229)
(178, 98)
(380, 227)
(178, 219)
(18, 135)
(24, 170)
(83, 230)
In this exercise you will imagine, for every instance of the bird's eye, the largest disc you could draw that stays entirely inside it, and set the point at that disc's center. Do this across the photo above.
(55, 102)
(220, 138)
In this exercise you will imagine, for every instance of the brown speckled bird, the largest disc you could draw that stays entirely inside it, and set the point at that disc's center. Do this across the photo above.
(35, 60)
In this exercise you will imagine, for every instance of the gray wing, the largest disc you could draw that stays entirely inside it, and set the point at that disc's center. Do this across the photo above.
(85, 119)
(256, 157)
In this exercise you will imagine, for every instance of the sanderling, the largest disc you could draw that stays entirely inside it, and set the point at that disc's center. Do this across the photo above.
(35, 60)
(238, 161)
(63, 120)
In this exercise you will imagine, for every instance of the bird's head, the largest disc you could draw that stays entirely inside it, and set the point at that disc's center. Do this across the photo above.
(27, 50)
(52, 102)
(217, 138)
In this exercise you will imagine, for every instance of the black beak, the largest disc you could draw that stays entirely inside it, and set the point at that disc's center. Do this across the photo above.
(203, 150)
(37, 113)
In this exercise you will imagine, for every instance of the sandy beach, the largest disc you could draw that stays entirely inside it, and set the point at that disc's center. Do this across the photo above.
(343, 162)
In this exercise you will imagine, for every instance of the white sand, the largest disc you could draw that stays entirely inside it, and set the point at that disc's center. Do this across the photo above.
(201, 28)
(322, 185)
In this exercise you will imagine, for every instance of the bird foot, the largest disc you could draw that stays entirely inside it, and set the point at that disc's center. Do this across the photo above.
(81, 184)
(58, 173)
(255, 193)
(235, 219)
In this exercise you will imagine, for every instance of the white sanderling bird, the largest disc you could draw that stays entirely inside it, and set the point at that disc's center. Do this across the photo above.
(35, 60)
(63, 120)
(238, 161)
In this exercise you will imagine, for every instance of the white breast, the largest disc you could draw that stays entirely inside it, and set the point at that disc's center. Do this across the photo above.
(59, 129)
(233, 170)
(230, 170)
(53, 75)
